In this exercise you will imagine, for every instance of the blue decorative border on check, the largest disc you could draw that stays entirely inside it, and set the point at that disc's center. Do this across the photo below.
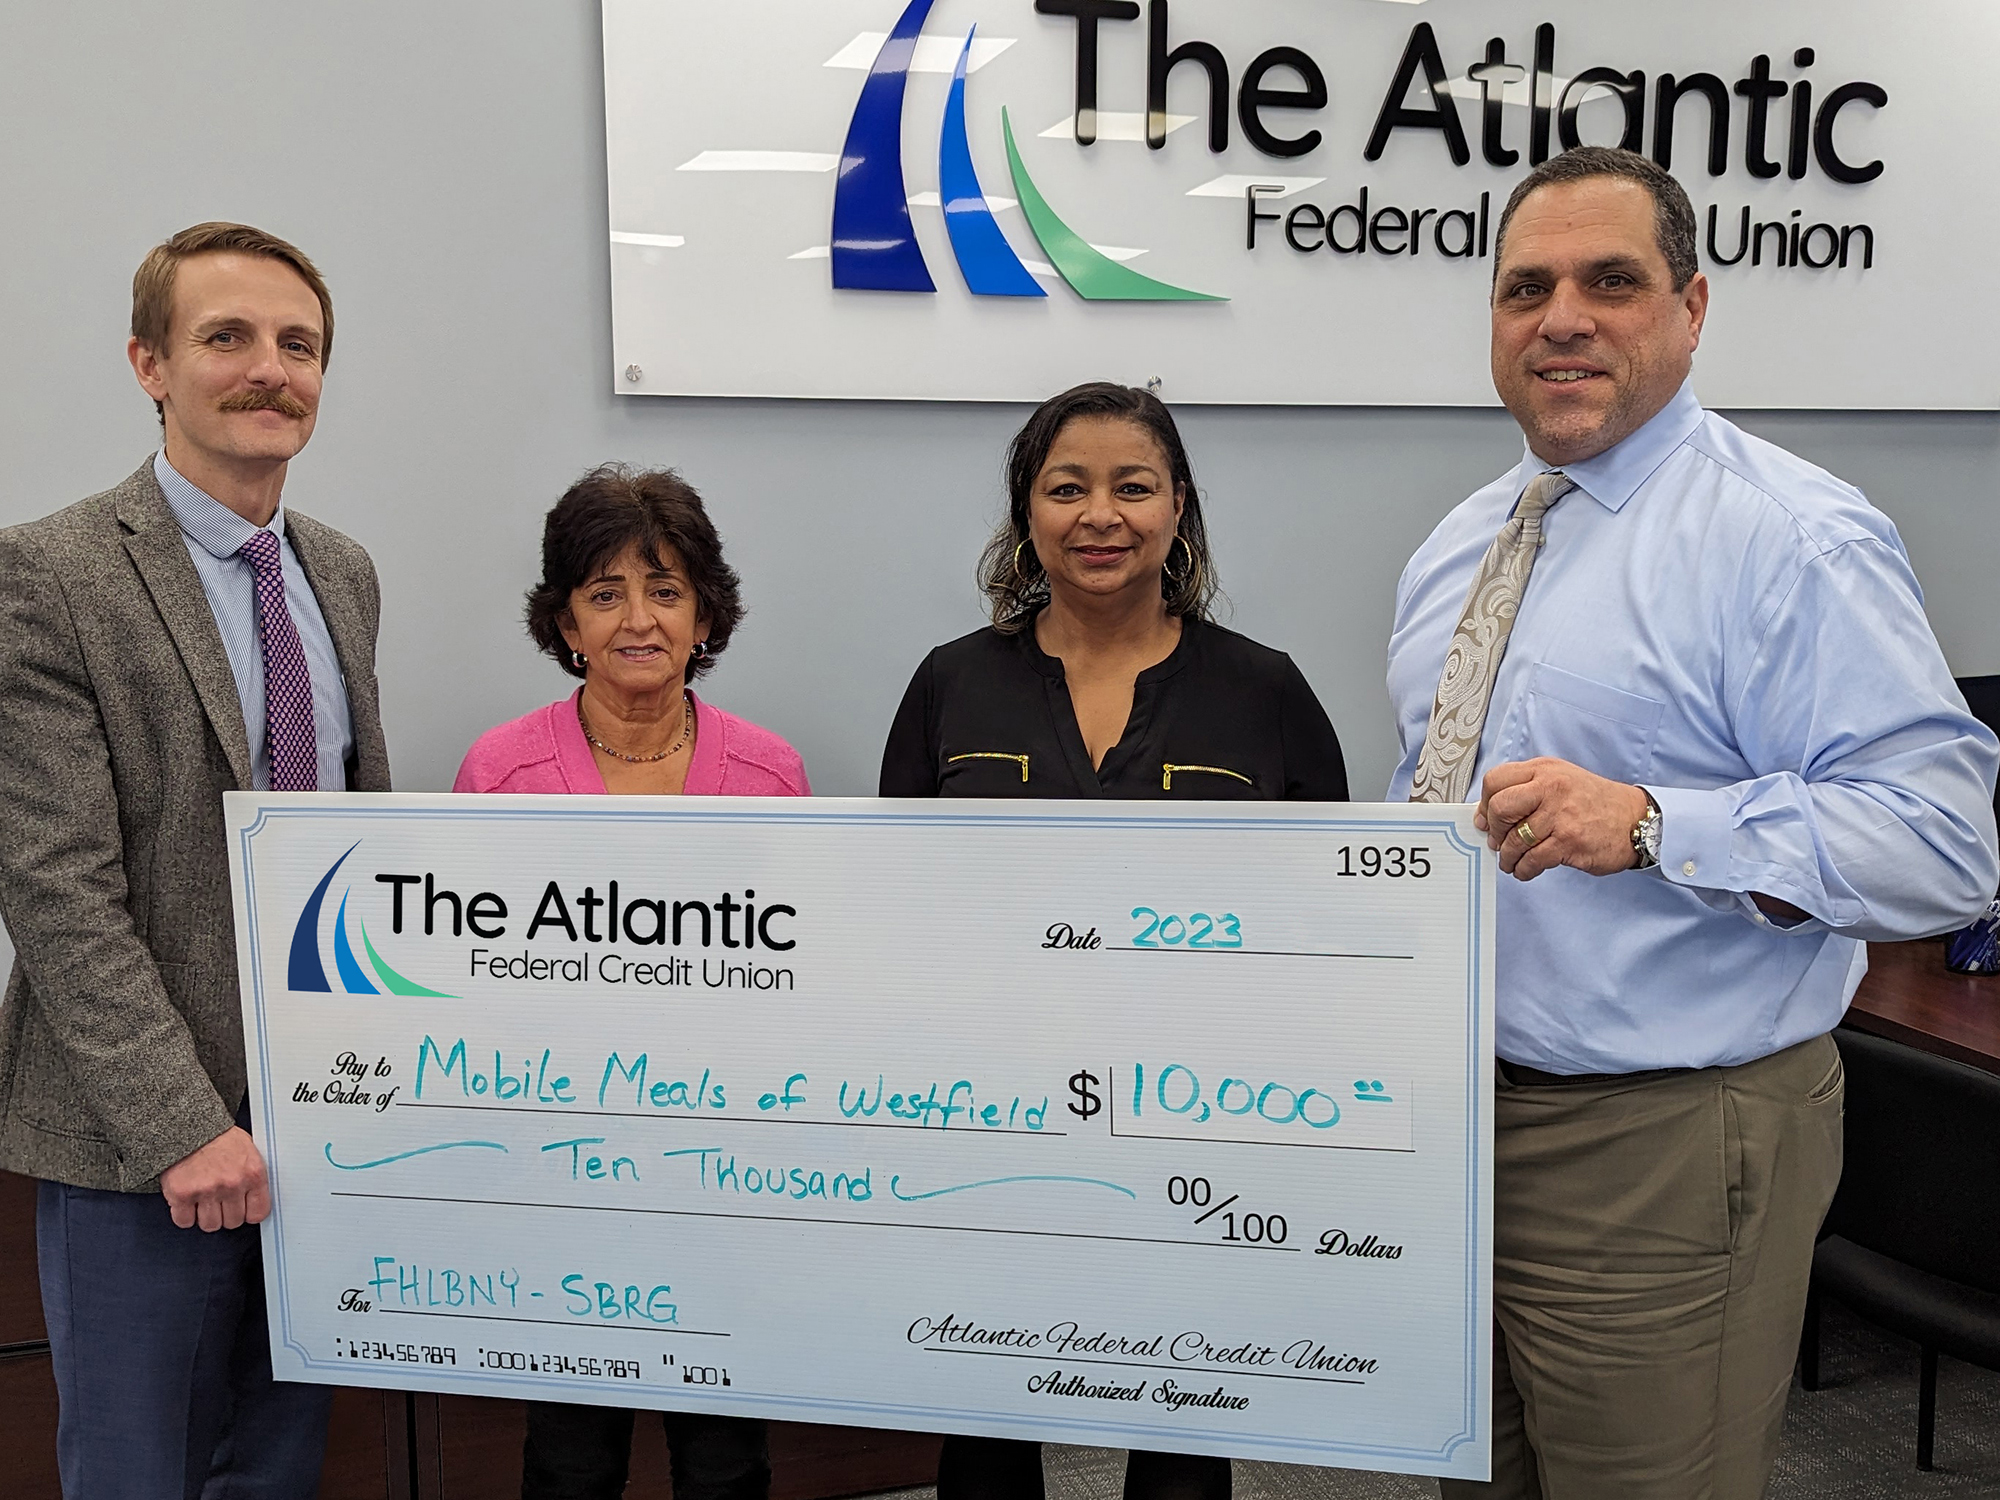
(1476, 1397)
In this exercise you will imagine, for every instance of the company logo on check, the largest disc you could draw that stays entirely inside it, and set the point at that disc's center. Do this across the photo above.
(307, 972)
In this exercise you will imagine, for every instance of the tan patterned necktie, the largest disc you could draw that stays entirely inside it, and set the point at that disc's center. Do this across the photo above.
(1451, 744)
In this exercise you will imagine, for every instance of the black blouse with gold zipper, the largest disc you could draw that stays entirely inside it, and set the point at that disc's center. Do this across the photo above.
(1221, 719)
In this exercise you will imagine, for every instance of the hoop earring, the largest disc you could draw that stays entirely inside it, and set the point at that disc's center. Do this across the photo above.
(1018, 573)
(578, 660)
(1180, 579)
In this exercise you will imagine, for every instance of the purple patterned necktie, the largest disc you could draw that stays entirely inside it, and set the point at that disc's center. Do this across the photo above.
(288, 699)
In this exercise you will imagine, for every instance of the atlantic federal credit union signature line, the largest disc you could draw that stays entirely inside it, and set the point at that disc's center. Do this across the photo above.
(698, 1213)
(1135, 1364)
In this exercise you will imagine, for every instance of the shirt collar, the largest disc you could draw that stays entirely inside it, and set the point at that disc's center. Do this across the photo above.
(214, 526)
(1183, 653)
(1615, 475)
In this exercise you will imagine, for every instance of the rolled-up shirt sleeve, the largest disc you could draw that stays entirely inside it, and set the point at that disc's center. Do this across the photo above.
(1872, 809)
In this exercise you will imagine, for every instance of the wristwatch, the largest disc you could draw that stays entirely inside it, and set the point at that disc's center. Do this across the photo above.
(1646, 835)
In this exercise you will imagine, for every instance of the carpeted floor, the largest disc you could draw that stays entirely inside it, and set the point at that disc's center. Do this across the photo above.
(1853, 1439)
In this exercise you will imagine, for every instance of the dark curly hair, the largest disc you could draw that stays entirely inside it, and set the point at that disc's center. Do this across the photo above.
(1014, 581)
(610, 509)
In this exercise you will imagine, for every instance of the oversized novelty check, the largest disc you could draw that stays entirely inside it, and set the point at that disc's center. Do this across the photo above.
(1117, 1123)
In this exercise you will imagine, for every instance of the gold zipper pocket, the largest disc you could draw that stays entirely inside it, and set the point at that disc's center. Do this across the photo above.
(1167, 774)
(1019, 760)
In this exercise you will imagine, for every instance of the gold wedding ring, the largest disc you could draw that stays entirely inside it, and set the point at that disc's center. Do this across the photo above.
(1525, 834)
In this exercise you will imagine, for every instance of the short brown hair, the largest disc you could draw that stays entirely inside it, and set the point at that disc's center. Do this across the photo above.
(1673, 215)
(612, 508)
(153, 282)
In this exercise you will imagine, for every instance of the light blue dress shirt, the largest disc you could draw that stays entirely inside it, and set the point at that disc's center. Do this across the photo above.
(1740, 633)
(214, 535)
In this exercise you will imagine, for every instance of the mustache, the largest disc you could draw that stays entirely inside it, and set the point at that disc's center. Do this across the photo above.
(277, 401)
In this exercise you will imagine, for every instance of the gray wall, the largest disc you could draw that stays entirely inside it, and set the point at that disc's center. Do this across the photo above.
(444, 163)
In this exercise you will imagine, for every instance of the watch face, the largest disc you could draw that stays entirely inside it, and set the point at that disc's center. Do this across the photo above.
(1646, 837)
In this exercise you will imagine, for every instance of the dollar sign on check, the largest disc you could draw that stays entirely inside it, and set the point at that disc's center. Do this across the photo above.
(1086, 1103)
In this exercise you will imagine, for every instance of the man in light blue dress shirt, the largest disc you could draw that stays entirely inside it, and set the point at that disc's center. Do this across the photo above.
(1722, 752)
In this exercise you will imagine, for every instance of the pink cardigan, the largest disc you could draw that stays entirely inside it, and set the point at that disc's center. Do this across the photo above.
(545, 751)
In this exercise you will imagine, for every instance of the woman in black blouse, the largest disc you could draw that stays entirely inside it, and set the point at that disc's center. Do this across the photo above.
(1102, 676)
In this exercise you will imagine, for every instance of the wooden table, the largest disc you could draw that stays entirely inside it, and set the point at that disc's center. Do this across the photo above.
(1909, 996)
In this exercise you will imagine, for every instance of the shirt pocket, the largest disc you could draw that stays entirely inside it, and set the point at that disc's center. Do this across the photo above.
(1207, 782)
(984, 773)
(1592, 724)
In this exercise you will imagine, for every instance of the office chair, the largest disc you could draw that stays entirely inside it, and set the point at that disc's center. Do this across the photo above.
(1912, 1242)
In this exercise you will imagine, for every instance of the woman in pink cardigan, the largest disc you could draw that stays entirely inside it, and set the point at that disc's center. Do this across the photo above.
(637, 601)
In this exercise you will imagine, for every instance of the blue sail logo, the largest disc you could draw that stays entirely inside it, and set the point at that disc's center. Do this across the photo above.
(305, 972)
(874, 242)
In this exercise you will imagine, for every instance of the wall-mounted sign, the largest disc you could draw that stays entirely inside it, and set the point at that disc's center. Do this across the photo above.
(1274, 201)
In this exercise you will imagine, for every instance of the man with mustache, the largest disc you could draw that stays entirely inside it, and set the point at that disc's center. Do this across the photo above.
(1688, 679)
(178, 636)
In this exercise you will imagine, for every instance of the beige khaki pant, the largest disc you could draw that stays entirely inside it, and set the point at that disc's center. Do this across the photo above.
(1652, 1241)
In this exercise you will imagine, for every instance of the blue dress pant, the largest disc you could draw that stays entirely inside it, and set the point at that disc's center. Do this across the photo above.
(163, 1360)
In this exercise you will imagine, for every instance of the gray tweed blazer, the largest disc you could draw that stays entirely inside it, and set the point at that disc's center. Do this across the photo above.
(121, 1036)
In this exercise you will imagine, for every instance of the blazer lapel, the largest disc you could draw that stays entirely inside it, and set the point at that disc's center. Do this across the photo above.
(353, 648)
(336, 605)
(154, 543)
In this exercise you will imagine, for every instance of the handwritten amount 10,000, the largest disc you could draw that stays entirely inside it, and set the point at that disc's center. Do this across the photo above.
(1178, 1091)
